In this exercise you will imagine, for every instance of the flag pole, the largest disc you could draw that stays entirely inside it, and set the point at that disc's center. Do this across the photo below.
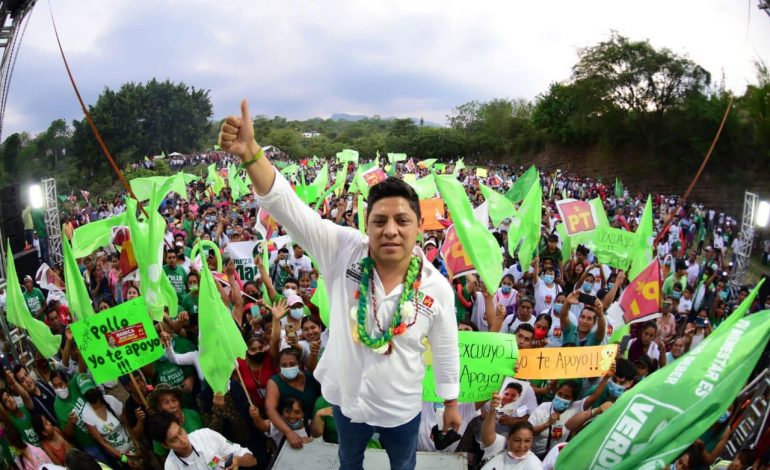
(240, 379)
(138, 391)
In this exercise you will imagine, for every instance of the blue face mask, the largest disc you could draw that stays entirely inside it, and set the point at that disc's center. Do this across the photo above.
(723, 419)
(297, 313)
(588, 287)
(614, 389)
(676, 295)
(723, 295)
(609, 285)
(290, 372)
(557, 308)
(295, 426)
(506, 289)
(548, 279)
(560, 404)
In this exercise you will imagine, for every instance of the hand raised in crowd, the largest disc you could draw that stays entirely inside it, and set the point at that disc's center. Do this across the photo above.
(572, 298)
(279, 310)
(315, 347)
(599, 307)
(219, 400)
(188, 383)
(230, 268)
(140, 415)
(165, 339)
(237, 133)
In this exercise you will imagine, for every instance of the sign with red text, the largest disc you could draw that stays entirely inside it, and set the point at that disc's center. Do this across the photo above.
(578, 217)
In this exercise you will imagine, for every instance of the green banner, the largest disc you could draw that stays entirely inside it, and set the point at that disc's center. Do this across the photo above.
(614, 246)
(118, 340)
(486, 359)
(651, 424)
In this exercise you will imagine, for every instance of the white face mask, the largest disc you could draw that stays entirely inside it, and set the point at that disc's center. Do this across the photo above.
(62, 393)
(288, 292)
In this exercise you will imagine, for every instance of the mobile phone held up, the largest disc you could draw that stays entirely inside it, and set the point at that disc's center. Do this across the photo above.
(586, 299)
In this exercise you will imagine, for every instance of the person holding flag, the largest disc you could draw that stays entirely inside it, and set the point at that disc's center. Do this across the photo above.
(385, 298)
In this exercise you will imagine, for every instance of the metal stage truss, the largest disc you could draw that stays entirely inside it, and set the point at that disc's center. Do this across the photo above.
(52, 221)
(743, 251)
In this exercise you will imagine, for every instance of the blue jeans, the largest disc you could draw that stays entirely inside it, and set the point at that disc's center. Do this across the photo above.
(400, 442)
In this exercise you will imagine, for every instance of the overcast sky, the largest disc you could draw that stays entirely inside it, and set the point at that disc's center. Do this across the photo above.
(410, 58)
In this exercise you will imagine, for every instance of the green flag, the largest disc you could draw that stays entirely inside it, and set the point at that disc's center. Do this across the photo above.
(601, 215)
(439, 168)
(500, 207)
(347, 155)
(460, 165)
(642, 255)
(147, 241)
(142, 187)
(619, 190)
(220, 341)
(651, 424)
(214, 180)
(396, 157)
(477, 241)
(427, 163)
(526, 225)
(78, 300)
(321, 179)
(89, 237)
(566, 243)
(292, 169)
(425, 187)
(238, 187)
(321, 300)
(18, 313)
(521, 186)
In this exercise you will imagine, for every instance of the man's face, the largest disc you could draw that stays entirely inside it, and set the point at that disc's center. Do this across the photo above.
(28, 285)
(169, 403)
(524, 339)
(53, 321)
(586, 321)
(393, 229)
(176, 440)
(171, 260)
(298, 252)
(25, 380)
(510, 395)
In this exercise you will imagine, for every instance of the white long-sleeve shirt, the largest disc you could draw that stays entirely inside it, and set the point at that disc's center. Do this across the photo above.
(380, 390)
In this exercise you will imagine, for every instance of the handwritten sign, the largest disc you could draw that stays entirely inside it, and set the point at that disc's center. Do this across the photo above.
(486, 359)
(242, 254)
(118, 340)
(614, 246)
(431, 210)
(566, 363)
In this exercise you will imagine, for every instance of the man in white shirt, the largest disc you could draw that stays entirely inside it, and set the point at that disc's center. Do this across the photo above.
(372, 368)
(299, 262)
(203, 449)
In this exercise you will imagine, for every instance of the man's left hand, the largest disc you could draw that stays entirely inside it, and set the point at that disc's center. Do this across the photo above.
(452, 419)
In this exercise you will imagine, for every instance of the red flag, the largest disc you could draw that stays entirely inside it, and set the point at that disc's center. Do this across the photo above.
(374, 176)
(576, 215)
(85, 194)
(410, 166)
(642, 297)
(455, 257)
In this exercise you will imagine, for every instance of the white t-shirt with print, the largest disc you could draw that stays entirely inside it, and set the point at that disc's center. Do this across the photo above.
(545, 296)
(558, 430)
(111, 429)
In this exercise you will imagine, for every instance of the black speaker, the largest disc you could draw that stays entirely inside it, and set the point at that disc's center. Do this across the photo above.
(11, 224)
(26, 263)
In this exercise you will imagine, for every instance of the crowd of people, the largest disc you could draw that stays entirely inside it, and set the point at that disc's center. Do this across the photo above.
(53, 415)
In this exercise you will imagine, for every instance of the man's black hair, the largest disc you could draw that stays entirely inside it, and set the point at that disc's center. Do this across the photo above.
(77, 459)
(625, 369)
(525, 327)
(394, 187)
(157, 425)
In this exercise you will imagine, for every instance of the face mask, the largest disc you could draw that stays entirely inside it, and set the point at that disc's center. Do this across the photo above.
(229, 232)
(588, 287)
(295, 426)
(609, 285)
(557, 308)
(676, 295)
(560, 404)
(297, 313)
(288, 292)
(506, 289)
(62, 393)
(257, 357)
(193, 287)
(614, 389)
(548, 279)
(723, 295)
(290, 372)
(725, 416)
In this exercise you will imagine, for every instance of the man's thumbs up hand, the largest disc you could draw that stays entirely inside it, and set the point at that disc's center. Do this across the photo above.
(237, 134)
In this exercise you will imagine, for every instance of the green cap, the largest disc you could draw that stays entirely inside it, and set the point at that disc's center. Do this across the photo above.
(84, 383)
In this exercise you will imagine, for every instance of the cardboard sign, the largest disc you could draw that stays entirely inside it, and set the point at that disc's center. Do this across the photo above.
(566, 363)
(614, 246)
(576, 215)
(481, 172)
(431, 210)
(486, 359)
(456, 259)
(118, 340)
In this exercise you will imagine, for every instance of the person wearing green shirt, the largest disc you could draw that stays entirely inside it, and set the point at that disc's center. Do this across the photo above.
(68, 408)
(678, 276)
(175, 273)
(18, 416)
(169, 399)
(582, 334)
(38, 220)
(34, 298)
(166, 372)
(29, 226)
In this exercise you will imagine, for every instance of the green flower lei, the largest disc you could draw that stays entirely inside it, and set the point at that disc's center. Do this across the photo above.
(397, 327)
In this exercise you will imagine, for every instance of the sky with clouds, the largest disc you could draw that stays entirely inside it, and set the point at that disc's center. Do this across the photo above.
(307, 58)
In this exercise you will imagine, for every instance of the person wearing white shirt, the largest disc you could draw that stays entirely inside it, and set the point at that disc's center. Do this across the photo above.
(524, 315)
(546, 288)
(513, 452)
(204, 449)
(300, 262)
(385, 299)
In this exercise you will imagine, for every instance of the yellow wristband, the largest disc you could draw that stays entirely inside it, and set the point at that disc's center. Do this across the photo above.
(256, 158)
